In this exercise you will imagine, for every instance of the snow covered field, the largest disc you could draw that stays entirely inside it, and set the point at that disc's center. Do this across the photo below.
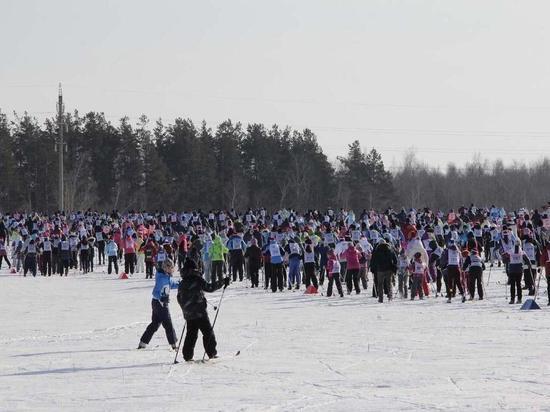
(69, 344)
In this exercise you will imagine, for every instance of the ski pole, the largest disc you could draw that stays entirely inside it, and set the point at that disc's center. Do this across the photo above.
(531, 276)
(214, 323)
(506, 284)
(489, 277)
(538, 284)
(179, 343)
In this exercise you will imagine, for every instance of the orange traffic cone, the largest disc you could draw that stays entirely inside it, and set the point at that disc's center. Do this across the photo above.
(123, 276)
(12, 270)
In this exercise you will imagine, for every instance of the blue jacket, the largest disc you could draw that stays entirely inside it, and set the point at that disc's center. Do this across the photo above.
(163, 284)
(274, 247)
(236, 242)
(111, 249)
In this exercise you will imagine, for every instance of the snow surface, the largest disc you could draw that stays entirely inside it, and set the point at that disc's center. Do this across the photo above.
(69, 344)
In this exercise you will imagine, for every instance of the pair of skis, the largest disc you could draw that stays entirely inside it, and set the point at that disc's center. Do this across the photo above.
(212, 360)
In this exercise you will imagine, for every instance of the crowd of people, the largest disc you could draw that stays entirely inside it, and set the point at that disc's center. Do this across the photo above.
(406, 253)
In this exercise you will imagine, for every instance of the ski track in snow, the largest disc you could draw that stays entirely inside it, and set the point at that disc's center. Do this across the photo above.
(69, 343)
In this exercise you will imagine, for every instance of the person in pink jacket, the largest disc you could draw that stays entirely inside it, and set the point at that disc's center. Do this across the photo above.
(352, 256)
(333, 271)
(117, 238)
(129, 245)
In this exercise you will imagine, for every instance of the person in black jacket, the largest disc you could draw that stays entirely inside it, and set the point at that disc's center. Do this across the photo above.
(254, 255)
(384, 264)
(193, 303)
(475, 267)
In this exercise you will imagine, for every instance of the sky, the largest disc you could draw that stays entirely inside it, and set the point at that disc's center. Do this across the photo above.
(451, 79)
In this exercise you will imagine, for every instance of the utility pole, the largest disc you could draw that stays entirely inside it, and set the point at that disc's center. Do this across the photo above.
(60, 145)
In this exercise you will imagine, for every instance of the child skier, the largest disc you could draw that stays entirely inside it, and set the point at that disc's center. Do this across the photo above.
(159, 303)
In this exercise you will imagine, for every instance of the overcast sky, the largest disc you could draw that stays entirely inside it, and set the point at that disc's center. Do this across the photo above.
(451, 78)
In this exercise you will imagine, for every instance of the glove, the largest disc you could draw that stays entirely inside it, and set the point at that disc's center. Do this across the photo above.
(225, 282)
(165, 300)
(539, 270)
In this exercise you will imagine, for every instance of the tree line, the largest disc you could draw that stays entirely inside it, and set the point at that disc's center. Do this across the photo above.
(182, 166)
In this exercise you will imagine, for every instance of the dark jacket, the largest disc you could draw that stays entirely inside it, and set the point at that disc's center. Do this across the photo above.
(191, 297)
(383, 259)
(254, 255)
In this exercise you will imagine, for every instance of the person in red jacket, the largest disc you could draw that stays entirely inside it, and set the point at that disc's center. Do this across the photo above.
(150, 250)
(183, 248)
(352, 256)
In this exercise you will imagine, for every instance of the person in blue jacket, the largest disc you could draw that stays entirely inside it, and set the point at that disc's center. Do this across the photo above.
(161, 313)
(112, 255)
(236, 246)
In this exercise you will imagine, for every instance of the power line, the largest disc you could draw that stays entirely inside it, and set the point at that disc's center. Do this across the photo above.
(199, 95)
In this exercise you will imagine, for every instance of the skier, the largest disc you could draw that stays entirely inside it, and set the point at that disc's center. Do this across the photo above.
(532, 251)
(516, 259)
(309, 265)
(403, 274)
(383, 263)
(30, 258)
(236, 248)
(254, 255)
(149, 251)
(46, 247)
(129, 245)
(294, 253)
(159, 303)
(434, 265)
(193, 304)
(140, 255)
(451, 258)
(4, 254)
(111, 249)
(275, 254)
(352, 270)
(333, 273)
(217, 257)
(419, 272)
(545, 262)
(64, 256)
(475, 267)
